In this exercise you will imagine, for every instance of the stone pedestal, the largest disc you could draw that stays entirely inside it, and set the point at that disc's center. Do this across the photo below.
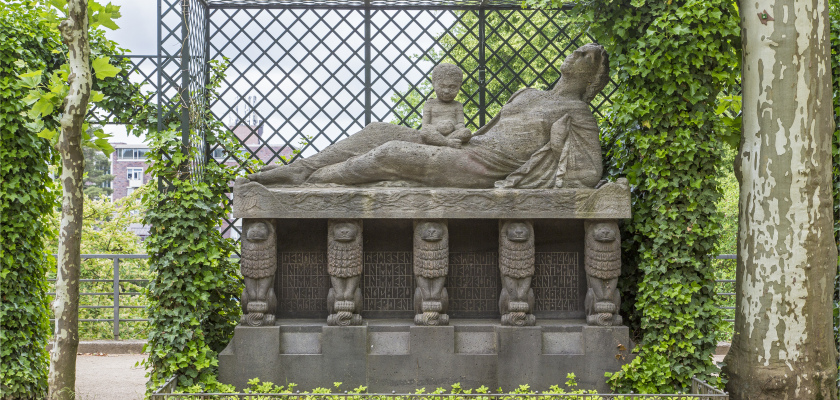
(367, 280)
(387, 355)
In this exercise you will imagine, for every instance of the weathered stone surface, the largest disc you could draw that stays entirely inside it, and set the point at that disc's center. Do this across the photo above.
(516, 264)
(603, 267)
(258, 266)
(253, 200)
(539, 139)
(431, 265)
(344, 264)
(390, 355)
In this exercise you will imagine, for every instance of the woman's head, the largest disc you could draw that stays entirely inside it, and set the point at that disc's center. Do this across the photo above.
(589, 65)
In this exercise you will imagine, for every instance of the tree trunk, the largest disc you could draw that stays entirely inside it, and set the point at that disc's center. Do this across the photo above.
(783, 345)
(74, 33)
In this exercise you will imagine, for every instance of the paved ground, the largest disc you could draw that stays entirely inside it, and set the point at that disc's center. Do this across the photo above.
(111, 376)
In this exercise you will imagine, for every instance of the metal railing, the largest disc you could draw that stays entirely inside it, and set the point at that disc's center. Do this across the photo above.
(726, 281)
(115, 293)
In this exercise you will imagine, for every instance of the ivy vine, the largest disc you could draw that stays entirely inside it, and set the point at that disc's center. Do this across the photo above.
(195, 285)
(26, 193)
(31, 59)
(673, 59)
(834, 20)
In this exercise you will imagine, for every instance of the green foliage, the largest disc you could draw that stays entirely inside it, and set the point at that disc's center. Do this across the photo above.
(256, 387)
(834, 19)
(31, 55)
(674, 60)
(519, 45)
(97, 168)
(26, 193)
(195, 284)
(105, 230)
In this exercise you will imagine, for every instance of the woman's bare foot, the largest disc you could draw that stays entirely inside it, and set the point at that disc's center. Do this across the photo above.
(294, 174)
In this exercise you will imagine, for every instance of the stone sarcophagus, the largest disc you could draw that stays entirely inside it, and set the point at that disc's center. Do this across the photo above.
(368, 282)
(399, 259)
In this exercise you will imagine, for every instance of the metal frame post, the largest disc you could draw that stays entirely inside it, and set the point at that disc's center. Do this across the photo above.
(185, 76)
(482, 68)
(116, 298)
(368, 61)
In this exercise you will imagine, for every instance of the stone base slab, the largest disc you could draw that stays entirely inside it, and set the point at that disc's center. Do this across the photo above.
(387, 355)
(253, 200)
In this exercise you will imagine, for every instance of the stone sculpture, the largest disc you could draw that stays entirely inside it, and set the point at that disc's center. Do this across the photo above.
(443, 117)
(431, 265)
(516, 262)
(539, 139)
(258, 266)
(603, 266)
(344, 264)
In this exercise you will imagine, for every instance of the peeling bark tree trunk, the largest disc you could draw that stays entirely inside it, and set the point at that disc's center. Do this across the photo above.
(74, 33)
(783, 346)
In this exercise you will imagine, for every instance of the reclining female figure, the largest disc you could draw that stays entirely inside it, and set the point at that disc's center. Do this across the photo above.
(539, 139)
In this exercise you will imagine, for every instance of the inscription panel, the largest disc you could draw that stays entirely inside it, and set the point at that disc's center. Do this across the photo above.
(555, 281)
(473, 284)
(303, 284)
(388, 284)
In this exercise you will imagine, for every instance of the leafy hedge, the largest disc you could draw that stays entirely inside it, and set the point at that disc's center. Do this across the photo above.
(673, 58)
(29, 41)
(834, 17)
(193, 294)
(26, 193)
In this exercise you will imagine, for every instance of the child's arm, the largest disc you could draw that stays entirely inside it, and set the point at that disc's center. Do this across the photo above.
(461, 132)
(429, 133)
(427, 117)
(432, 137)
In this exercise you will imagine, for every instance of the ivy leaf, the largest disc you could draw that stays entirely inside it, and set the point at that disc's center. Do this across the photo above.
(35, 126)
(43, 107)
(48, 134)
(103, 68)
(96, 96)
(104, 146)
(31, 79)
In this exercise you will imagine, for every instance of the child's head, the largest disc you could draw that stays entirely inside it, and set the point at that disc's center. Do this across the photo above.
(446, 79)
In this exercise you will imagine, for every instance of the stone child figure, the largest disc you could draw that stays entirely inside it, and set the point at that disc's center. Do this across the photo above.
(443, 117)
(602, 254)
(516, 262)
(258, 265)
(539, 139)
(344, 264)
(431, 265)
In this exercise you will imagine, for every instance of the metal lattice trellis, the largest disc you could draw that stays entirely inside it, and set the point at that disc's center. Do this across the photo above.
(305, 74)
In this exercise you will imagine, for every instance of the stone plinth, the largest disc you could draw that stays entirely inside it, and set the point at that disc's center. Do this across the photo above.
(387, 355)
(253, 200)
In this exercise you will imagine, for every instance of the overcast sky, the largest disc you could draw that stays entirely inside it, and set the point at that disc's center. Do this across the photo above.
(310, 98)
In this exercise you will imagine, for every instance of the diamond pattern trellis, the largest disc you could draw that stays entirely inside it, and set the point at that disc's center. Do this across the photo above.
(305, 74)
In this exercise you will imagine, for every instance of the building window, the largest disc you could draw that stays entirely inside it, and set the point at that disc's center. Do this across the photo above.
(135, 177)
(128, 192)
(132, 154)
(219, 153)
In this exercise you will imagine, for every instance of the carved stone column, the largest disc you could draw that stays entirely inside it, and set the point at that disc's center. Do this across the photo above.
(344, 264)
(603, 266)
(516, 262)
(431, 265)
(258, 266)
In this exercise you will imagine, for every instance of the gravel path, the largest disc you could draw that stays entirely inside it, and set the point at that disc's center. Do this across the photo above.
(111, 376)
